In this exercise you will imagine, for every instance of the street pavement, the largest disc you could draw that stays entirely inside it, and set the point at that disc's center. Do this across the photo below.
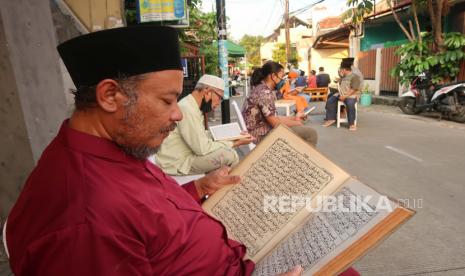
(420, 161)
(417, 159)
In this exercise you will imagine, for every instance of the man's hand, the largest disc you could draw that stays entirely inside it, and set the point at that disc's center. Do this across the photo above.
(342, 98)
(244, 141)
(300, 116)
(296, 271)
(214, 181)
(299, 89)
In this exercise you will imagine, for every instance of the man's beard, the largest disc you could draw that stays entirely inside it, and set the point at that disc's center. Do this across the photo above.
(140, 152)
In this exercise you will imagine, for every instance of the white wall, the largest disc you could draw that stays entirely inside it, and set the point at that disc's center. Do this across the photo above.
(371, 85)
(330, 59)
(266, 50)
(302, 45)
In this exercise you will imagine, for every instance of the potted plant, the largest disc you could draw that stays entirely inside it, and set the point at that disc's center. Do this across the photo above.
(365, 98)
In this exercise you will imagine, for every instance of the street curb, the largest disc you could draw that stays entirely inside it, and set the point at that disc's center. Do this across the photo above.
(383, 100)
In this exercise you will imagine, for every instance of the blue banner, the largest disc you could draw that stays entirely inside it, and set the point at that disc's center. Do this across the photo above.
(184, 67)
(223, 64)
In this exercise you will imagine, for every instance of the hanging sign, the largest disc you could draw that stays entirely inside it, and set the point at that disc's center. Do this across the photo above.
(223, 65)
(184, 67)
(161, 10)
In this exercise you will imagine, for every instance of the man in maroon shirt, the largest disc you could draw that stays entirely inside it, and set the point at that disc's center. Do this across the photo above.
(94, 205)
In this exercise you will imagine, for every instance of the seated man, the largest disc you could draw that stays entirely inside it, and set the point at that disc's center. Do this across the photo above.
(189, 149)
(301, 80)
(348, 90)
(291, 92)
(94, 204)
(322, 79)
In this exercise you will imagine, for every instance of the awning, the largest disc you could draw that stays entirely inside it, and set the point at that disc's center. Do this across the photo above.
(234, 50)
(336, 39)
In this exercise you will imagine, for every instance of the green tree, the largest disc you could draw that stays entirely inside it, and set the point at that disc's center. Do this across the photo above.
(437, 52)
(252, 46)
(202, 32)
(279, 55)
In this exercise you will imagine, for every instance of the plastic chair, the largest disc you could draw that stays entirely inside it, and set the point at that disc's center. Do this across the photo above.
(287, 104)
(181, 179)
(4, 239)
(241, 121)
(340, 120)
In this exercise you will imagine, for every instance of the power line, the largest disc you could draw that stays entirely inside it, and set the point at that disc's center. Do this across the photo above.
(271, 15)
(305, 8)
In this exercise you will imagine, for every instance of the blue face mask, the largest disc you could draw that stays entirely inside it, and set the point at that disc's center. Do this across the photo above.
(280, 84)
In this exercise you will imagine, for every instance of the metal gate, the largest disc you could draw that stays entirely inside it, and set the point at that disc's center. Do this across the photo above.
(367, 64)
(461, 75)
(388, 60)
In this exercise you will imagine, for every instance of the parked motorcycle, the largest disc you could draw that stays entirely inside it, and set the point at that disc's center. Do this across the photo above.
(448, 99)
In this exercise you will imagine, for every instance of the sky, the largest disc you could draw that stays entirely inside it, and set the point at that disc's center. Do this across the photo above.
(261, 17)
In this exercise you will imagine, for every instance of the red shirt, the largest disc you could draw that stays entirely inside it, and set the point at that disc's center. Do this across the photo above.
(89, 209)
(312, 82)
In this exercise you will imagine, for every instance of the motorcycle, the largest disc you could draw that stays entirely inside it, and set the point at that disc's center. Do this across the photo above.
(447, 99)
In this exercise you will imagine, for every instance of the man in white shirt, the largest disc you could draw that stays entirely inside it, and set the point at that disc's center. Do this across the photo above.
(190, 149)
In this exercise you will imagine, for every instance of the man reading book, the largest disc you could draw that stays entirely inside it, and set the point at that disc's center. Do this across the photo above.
(190, 149)
(94, 204)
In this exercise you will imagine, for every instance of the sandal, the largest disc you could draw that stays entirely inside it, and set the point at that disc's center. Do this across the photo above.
(329, 123)
(352, 128)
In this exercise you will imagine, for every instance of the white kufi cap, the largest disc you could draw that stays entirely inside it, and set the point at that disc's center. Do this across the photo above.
(212, 81)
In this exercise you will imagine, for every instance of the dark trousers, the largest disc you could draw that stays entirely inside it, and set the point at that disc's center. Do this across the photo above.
(307, 133)
(331, 108)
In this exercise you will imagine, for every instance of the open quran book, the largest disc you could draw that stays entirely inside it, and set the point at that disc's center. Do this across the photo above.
(227, 132)
(284, 211)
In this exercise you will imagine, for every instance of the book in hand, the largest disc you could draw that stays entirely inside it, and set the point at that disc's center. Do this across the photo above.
(309, 110)
(269, 213)
(299, 89)
(227, 132)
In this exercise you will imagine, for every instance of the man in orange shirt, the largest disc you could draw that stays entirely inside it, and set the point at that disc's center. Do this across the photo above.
(292, 94)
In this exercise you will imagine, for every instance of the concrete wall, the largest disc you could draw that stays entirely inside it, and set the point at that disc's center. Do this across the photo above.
(302, 45)
(67, 26)
(266, 50)
(97, 14)
(330, 59)
(304, 60)
(31, 85)
(371, 85)
(16, 153)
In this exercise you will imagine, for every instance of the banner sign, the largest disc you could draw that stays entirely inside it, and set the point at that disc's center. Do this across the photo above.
(223, 64)
(184, 67)
(161, 10)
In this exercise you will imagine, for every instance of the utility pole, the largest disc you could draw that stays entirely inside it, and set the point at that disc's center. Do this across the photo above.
(223, 59)
(288, 39)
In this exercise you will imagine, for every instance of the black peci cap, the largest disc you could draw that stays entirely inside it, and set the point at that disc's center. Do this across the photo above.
(126, 51)
(349, 60)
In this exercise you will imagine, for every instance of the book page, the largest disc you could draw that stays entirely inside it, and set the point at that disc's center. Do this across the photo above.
(327, 232)
(230, 131)
(282, 165)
